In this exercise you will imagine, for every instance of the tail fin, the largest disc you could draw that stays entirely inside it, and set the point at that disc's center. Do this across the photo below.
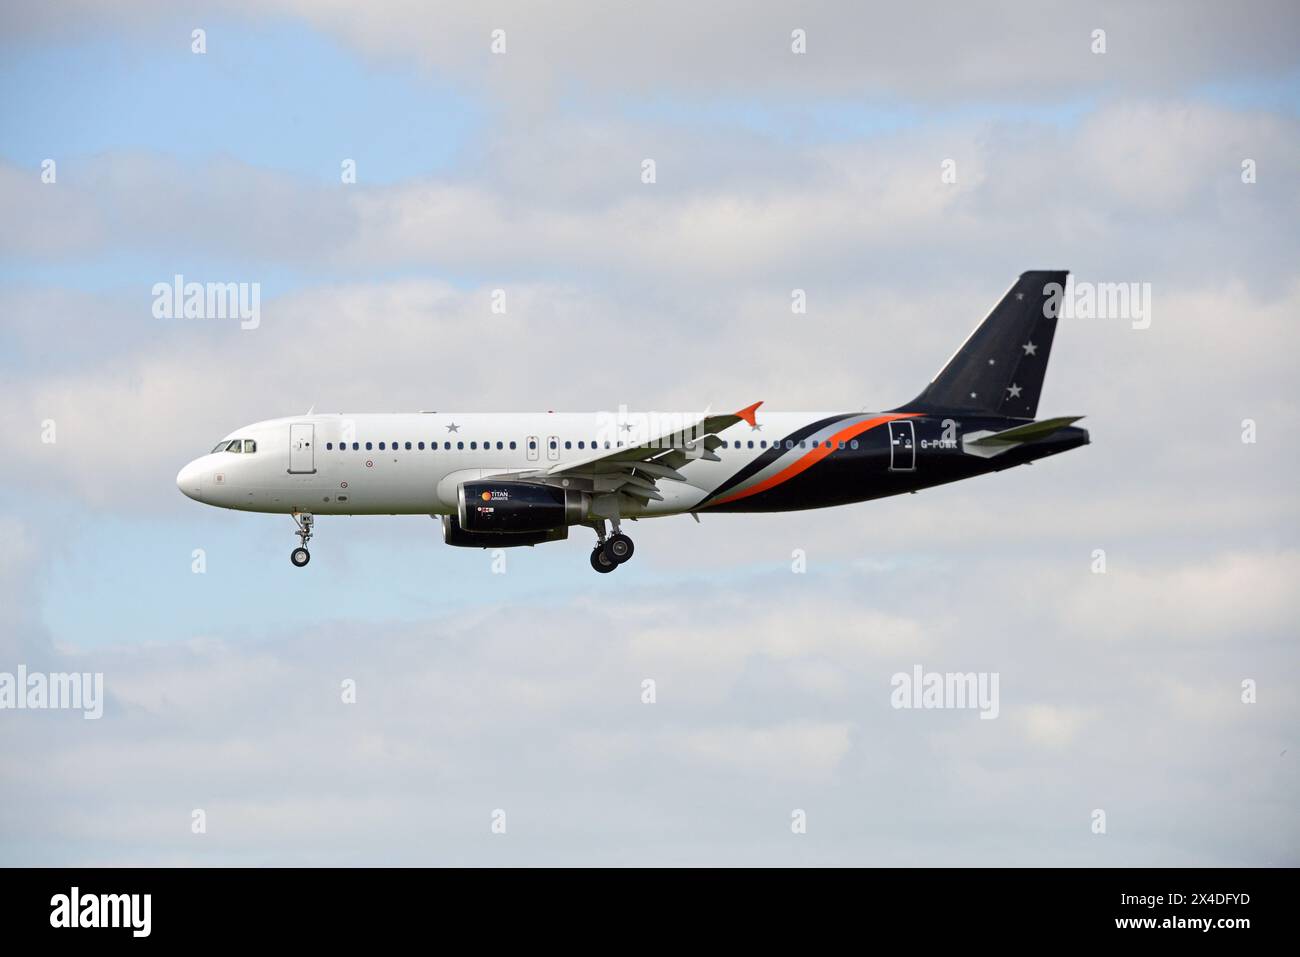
(1000, 368)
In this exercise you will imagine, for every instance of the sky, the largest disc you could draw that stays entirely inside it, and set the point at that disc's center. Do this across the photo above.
(516, 699)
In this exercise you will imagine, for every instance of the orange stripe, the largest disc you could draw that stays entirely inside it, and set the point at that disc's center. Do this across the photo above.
(814, 456)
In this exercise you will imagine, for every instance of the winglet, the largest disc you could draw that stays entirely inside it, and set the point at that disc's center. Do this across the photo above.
(747, 413)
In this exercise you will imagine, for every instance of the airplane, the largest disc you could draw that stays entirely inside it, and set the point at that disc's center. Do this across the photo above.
(504, 480)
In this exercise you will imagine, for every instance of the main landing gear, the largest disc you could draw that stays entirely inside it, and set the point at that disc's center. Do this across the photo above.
(610, 552)
(300, 556)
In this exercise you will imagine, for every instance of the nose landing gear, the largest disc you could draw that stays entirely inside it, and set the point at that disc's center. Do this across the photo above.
(300, 556)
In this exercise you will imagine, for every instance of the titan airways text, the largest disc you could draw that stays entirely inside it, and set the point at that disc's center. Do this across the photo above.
(503, 479)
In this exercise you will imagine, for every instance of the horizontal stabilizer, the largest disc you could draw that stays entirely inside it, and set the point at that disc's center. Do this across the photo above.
(988, 444)
(1026, 433)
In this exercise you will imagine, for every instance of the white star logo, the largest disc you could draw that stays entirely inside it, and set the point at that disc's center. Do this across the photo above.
(1019, 296)
(1014, 390)
(972, 395)
(1030, 348)
(453, 427)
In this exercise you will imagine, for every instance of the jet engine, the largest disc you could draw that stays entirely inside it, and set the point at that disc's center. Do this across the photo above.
(518, 508)
(453, 534)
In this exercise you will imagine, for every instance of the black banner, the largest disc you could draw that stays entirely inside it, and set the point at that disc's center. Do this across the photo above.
(1162, 906)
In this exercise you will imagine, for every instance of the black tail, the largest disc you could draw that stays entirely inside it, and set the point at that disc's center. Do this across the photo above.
(1000, 368)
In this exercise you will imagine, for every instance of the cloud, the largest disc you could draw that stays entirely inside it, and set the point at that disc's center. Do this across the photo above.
(727, 206)
(542, 715)
(800, 751)
(1235, 597)
(934, 53)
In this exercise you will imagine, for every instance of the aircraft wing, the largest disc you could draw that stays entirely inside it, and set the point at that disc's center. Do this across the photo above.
(636, 467)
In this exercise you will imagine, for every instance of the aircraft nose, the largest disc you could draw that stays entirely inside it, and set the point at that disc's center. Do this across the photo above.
(190, 481)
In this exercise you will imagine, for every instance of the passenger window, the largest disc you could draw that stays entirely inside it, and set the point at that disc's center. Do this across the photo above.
(582, 445)
(446, 446)
(532, 444)
(460, 445)
(568, 445)
(512, 445)
(853, 444)
(329, 446)
(355, 446)
(501, 445)
(408, 446)
(421, 446)
(473, 445)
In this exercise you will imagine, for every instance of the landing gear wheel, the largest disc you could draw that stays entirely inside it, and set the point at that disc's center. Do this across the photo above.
(619, 548)
(304, 520)
(601, 562)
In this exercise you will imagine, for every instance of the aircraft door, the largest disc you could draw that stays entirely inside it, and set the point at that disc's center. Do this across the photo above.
(302, 456)
(553, 448)
(902, 446)
(533, 446)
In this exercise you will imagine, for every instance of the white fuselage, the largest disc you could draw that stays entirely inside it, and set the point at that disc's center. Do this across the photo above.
(412, 463)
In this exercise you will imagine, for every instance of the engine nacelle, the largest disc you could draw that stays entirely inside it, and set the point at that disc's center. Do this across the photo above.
(453, 534)
(515, 508)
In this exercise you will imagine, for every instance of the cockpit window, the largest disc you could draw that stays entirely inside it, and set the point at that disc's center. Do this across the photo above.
(236, 445)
